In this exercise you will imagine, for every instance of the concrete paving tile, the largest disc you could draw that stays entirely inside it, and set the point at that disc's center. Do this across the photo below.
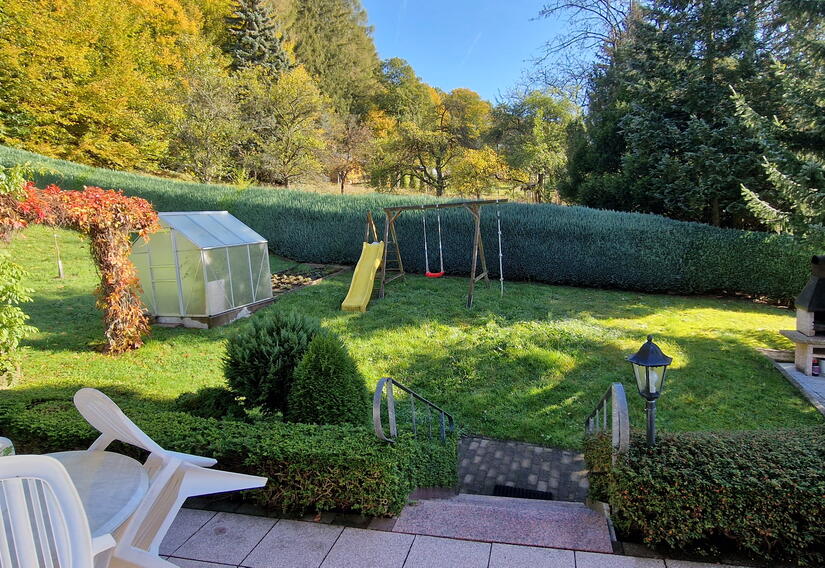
(187, 523)
(434, 552)
(184, 563)
(293, 544)
(511, 556)
(596, 560)
(227, 538)
(359, 548)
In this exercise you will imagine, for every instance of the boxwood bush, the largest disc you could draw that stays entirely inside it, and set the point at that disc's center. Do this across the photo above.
(762, 493)
(548, 243)
(309, 467)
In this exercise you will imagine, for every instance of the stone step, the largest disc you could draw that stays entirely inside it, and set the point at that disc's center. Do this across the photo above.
(514, 503)
(509, 521)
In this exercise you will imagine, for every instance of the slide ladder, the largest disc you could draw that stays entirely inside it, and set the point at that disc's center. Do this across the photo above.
(360, 290)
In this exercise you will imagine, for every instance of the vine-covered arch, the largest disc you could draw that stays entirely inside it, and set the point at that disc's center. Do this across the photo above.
(109, 219)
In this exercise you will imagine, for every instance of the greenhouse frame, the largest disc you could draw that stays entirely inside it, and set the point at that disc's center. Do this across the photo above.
(202, 264)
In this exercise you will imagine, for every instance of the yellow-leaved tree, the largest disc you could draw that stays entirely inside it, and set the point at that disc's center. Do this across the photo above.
(90, 80)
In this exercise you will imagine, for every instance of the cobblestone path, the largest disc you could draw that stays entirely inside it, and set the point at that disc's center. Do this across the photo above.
(485, 463)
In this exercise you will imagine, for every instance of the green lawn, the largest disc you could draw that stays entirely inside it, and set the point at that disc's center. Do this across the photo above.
(528, 366)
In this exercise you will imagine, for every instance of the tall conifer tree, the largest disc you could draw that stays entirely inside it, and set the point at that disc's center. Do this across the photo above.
(255, 38)
(793, 139)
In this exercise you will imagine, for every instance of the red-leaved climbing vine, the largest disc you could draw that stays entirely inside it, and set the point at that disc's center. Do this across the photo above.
(109, 219)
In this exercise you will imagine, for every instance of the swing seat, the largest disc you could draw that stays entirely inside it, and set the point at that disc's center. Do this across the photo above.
(434, 274)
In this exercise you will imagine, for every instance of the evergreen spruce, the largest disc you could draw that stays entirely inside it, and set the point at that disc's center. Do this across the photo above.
(793, 139)
(256, 38)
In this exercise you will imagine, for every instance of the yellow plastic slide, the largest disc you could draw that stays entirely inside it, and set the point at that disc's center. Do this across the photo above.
(360, 290)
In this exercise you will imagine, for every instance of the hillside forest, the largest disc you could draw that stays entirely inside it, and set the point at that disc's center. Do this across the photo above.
(700, 110)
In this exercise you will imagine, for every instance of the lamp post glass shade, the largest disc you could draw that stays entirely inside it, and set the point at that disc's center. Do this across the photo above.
(650, 366)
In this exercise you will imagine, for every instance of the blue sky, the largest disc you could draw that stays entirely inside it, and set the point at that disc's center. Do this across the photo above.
(483, 45)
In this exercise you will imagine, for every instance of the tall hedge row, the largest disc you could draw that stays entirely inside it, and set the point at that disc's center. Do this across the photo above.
(547, 243)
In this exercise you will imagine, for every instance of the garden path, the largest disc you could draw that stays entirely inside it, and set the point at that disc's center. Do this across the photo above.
(812, 388)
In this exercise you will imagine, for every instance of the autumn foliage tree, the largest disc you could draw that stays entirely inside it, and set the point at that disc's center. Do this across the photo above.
(108, 218)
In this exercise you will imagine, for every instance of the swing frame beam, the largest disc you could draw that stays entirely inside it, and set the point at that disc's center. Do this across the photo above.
(390, 239)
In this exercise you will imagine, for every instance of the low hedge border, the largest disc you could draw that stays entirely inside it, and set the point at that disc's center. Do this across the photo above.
(578, 246)
(760, 492)
(309, 467)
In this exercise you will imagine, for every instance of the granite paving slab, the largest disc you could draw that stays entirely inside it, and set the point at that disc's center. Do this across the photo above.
(812, 388)
(362, 548)
(510, 556)
(434, 552)
(485, 463)
(538, 523)
(226, 539)
(294, 544)
(186, 524)
(302, 544)
(588, 560)
(184, 563)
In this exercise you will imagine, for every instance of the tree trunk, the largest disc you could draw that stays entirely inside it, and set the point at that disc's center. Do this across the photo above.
(539, 187)
(440, 183)
(343, 179)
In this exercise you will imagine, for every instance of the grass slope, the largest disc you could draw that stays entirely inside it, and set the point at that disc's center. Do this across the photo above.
(528, 366)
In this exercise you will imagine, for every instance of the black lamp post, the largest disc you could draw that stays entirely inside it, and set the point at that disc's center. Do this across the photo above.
(650, 366)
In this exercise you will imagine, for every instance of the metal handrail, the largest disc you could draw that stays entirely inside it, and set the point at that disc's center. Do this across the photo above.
(614, 403)
(445, 419)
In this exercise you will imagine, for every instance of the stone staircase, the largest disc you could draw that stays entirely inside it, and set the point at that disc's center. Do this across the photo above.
(506, 520)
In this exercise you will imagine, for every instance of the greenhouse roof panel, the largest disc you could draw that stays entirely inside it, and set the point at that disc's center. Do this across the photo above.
(210, 229)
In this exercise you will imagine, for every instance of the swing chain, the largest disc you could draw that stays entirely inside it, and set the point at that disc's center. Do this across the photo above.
(500, 253)
(426, 252)
(440, 252)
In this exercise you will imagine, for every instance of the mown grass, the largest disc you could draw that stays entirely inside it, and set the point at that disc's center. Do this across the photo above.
(527, 366)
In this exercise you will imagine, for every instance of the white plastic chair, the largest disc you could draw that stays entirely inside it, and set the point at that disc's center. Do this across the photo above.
(42, 521)
(173, 477)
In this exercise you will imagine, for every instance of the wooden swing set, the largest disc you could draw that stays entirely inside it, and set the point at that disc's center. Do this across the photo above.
(392, 267)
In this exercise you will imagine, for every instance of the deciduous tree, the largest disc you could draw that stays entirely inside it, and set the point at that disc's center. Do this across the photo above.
(284, 115)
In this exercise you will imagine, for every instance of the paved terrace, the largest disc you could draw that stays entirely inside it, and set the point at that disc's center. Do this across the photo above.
(208, 539)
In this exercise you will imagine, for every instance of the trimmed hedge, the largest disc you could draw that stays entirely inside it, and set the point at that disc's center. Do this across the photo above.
(760, 492)
(211, 402)
(309, 467)
(547, 243)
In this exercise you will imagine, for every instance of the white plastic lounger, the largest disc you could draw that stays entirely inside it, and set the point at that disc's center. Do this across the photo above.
(42, 521)
(173, 477)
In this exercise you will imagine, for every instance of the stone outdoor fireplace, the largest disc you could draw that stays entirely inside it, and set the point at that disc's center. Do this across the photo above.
(809, 336)
(810, 305)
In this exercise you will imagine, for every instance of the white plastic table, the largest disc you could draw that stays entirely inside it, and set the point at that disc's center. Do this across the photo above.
(110, 485)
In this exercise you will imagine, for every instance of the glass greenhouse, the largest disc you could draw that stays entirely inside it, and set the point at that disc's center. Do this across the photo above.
(202, 264)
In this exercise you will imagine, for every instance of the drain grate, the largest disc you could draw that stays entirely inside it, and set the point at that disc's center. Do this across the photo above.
(521, 493)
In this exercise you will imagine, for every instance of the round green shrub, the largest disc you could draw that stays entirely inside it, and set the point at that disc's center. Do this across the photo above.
(260, 359)
(211, 402)
(328, 388)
